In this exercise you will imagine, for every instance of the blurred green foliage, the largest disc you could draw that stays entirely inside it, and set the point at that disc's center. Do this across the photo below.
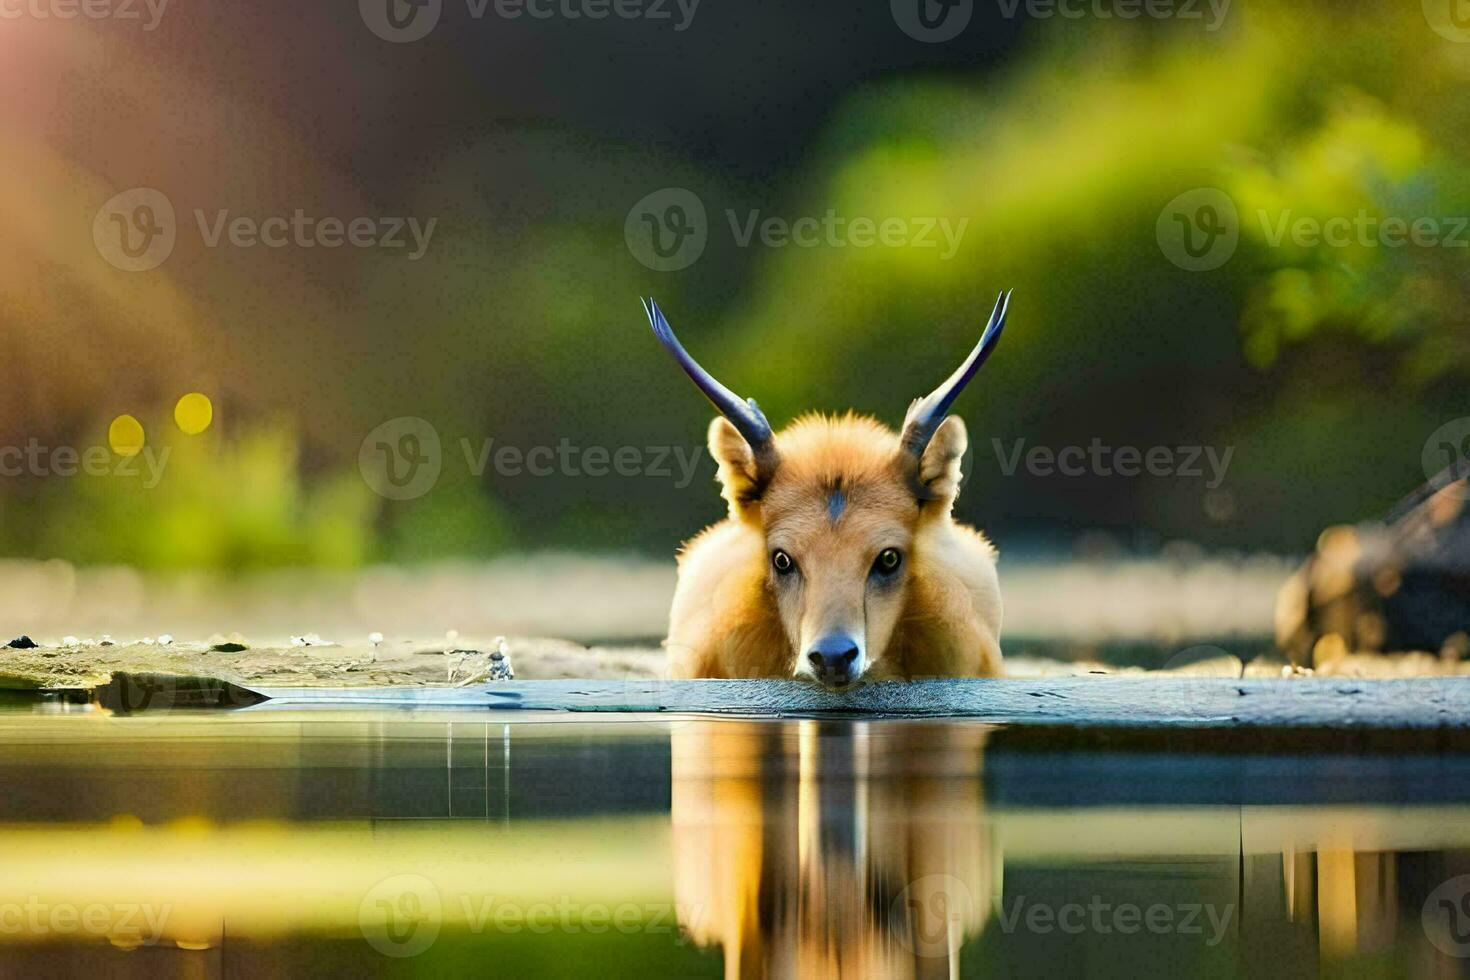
(203, 502)
(1324, 367)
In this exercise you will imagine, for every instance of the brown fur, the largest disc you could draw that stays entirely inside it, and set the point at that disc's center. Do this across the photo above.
(939, 616)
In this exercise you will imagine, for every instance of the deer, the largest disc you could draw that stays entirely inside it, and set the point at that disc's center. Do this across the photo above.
(839, 561)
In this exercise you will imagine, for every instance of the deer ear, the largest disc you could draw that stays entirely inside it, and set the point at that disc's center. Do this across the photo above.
(738, 474)
(939, 467)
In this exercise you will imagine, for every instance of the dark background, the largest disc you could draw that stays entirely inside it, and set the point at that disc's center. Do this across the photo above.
(1061, 140)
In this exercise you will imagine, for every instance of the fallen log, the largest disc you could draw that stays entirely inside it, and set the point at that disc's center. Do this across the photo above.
(1400, 586)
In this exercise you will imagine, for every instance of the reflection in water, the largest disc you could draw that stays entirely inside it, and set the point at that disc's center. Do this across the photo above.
(435, 845)
(812, 849)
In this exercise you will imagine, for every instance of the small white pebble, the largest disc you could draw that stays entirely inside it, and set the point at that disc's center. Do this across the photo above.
(166, 638)
(69, 641)
(375, 638)
(147, 641)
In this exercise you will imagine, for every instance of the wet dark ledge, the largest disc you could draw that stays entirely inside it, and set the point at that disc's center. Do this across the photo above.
(1133, 702)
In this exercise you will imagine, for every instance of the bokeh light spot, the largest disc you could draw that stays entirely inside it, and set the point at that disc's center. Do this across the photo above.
(193, 413)
(125, 435)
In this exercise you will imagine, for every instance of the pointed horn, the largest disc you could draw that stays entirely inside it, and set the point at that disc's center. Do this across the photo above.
(744, 414)
(924, 414)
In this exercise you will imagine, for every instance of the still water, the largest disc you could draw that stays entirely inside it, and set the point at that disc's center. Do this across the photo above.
(259, 842)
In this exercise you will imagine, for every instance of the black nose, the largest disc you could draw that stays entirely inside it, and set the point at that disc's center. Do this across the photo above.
(832, 658)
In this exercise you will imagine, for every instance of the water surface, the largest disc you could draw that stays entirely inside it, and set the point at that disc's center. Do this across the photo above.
(434, 844)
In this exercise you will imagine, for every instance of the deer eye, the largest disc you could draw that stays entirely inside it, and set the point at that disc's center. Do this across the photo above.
(888, 562)
(782, 563)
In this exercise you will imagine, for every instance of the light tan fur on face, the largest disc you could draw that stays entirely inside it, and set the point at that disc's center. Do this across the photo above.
(939, 616)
